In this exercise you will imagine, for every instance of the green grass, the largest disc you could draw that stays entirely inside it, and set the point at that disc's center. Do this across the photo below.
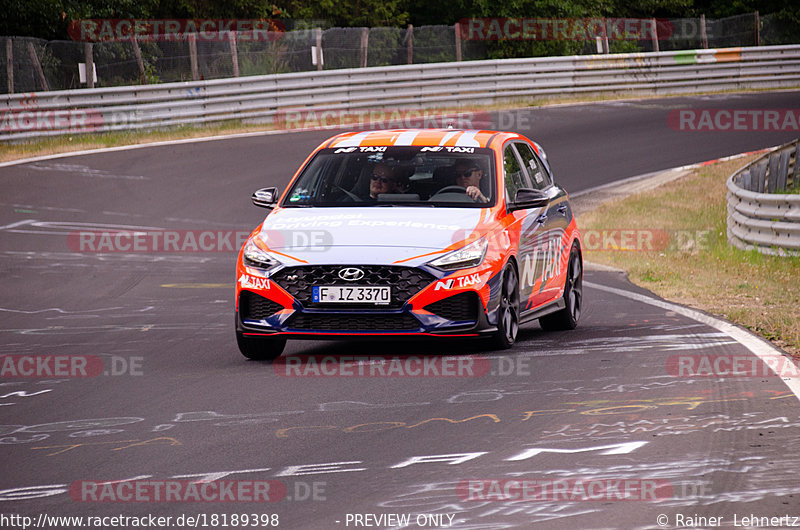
(698, 267)
(84, 141)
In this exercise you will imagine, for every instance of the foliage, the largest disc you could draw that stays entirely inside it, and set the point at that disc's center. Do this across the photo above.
(357, 13)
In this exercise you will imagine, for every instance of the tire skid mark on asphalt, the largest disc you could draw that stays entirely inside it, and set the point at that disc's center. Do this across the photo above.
(80, 170)
(593, 408)
(68, 227)
(36, 208)
(694, 478)
(120, 445)
(662, 342)
(619, 413)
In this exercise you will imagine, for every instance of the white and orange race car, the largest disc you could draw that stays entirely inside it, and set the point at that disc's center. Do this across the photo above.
(411, 233)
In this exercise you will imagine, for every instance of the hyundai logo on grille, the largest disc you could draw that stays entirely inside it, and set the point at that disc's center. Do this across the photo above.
(351, 274)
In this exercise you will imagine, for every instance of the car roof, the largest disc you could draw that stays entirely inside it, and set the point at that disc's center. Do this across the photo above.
(420, 137)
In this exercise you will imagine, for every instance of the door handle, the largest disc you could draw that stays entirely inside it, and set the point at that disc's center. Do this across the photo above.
(562, 209)
(542, 219)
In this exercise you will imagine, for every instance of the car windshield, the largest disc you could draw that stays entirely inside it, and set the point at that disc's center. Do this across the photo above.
(396, 176)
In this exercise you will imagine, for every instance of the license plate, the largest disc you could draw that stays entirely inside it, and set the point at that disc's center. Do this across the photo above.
(349, 294)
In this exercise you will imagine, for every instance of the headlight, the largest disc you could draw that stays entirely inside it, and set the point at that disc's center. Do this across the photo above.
(463, 258)
(257, 257)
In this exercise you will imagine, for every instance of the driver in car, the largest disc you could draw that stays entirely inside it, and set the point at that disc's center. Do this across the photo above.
(385, 179)
(469, 175)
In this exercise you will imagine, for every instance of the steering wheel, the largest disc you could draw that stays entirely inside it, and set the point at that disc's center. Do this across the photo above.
(451, 189)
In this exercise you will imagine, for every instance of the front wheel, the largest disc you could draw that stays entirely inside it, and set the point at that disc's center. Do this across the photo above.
(568, 317)
(260, 348)
(508, 312)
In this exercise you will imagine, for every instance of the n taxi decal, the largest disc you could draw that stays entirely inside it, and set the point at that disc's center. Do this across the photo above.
(252, 282)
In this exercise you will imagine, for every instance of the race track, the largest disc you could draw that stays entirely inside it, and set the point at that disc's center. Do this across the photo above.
(176, 401)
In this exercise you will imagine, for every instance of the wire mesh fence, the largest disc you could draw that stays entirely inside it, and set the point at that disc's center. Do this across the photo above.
(30, 65)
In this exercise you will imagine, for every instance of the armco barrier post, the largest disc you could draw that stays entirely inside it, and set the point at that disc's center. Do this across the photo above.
(137, 53)
(364, 46)
(193, 56)
(410, 44)
(89, 62)
(10, 65)
(457, 29)
(654, 34)
(37, 66)
(318, 48)
(234, 53)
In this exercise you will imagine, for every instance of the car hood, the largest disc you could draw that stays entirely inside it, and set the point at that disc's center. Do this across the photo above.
(374, 234)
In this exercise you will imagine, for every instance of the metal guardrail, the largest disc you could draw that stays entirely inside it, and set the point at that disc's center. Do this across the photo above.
(446, 85)
(758, 217)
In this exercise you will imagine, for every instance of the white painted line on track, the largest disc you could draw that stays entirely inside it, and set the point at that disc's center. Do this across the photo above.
(18, 223)
(760, 347)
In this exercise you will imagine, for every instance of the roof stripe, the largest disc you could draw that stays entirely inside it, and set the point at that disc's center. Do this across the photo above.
(447, 137)
(353, 141)
(468, 139)
(406, 138)
(415, 137)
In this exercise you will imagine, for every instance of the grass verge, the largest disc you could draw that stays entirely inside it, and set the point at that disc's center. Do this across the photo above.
(696, 266)
(80, 142)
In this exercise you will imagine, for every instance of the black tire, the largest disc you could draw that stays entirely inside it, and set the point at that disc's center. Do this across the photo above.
(260, 348)
(567, 318)
(508, 311)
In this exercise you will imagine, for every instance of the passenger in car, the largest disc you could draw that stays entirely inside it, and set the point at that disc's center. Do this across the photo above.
(383, 180)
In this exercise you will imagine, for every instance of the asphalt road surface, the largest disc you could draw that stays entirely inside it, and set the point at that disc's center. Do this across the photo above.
(172, 401)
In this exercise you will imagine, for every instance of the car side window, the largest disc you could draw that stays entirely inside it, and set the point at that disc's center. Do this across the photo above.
(512, 173)
(538, 174)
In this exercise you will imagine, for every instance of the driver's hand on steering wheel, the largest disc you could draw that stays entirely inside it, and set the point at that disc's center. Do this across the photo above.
(475, 194)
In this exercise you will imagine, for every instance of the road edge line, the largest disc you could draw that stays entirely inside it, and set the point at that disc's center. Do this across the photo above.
(759, 346)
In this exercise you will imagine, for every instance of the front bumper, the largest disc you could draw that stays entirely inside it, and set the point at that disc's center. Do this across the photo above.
(302, 323)
(425, 305)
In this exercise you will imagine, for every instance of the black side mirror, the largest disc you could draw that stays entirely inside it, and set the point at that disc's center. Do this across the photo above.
(265, 197)
(529, 198)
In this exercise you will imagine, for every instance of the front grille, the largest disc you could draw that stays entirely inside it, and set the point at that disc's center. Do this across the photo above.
(357, 322)
(461, 307)
(255, 307)
(404, 281)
